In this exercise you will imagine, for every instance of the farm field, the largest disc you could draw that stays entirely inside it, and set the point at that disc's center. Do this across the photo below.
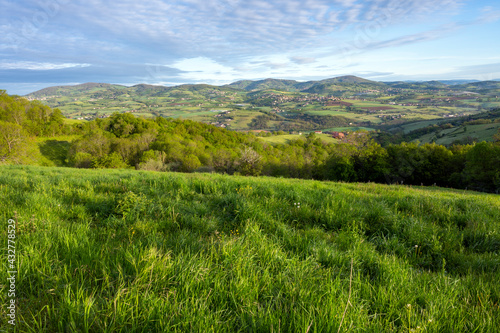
(384, 104)
(277, 139)
(483, 132)
(122, 250)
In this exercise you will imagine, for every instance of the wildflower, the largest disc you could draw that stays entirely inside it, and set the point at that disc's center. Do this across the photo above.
(416, 246)
(430, 320)
(408, 306)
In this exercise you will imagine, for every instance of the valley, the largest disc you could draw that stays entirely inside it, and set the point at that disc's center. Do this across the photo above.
(283, 105)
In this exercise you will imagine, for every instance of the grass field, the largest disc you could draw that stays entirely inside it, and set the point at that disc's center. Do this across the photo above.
(349, 129)
(283, 139)
(130, 251)
(46, 151)
(483, 132)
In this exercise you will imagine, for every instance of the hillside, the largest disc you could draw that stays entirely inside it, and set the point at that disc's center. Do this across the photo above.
(248, 85)
(354, 101)
(483, 126)
(33, 133)
(76, 90)
(292, 85)
(126, 251)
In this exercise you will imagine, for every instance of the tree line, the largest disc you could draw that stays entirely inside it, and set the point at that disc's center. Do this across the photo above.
(21, 119)
(164, 144)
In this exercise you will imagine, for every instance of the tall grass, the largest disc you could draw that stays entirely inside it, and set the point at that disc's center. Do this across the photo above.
(129, 251)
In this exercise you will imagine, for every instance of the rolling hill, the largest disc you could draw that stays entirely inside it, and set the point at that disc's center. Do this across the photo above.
(359, 101)
(129, 251)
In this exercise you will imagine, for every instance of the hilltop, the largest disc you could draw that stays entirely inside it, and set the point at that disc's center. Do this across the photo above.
(295, 86)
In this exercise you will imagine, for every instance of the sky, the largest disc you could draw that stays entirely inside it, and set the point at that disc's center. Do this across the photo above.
(168, 42)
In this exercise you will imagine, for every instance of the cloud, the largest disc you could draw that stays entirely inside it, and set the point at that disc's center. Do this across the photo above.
(372, 74)
(483, 72)
(302, 60)
(203, 70)
(213, 41)
(489, 15)
(192, 28)
(44, 66)
(110, 72)
(414, 38)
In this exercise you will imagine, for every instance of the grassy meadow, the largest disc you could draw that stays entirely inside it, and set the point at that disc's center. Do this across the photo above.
(286, 138)
(483, 132)
(132, 251)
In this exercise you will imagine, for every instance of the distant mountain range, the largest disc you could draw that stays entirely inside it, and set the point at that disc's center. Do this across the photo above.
(327, 86)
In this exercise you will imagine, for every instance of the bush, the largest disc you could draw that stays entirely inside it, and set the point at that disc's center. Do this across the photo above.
(111, 161)
(81, 160)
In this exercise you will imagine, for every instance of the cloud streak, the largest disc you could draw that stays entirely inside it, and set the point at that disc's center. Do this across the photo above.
(43, 66)
(202, 27)
(215, 40)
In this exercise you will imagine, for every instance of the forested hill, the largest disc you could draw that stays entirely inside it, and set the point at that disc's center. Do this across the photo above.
(245, 85)
(165, 144)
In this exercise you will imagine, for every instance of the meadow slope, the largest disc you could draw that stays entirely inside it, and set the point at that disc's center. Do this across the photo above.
(134, 251)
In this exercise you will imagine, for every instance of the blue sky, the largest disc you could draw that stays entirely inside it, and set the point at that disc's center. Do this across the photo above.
(58, 42)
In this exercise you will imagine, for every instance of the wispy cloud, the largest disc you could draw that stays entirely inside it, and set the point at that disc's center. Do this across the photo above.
(206, 27)
(214, 41)
(413, 38)
(302, 60)
(484, 72)
(41, 66)
(489, 14)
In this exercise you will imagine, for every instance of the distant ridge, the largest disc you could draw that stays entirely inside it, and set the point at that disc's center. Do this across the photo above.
(326, 86)
(292, 85)
(79, 88)
(322, 86)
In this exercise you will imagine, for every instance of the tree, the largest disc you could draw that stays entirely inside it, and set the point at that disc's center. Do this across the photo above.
(96, 143)
(190, 163)
(496, 137)
(250, 162)
(340, 165)
(371, 162)
(259, 122)
(12, 137)
(482, 169)
(111, 161)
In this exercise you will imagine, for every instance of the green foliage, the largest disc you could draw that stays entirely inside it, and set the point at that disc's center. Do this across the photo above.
(116, 250)
(250, 163)
(131, 205)
(20, 119)
(111, 161)
(153, 160)
(260, 122)
(81, 160)
(123, 140)
(483, 167)
(12, 140)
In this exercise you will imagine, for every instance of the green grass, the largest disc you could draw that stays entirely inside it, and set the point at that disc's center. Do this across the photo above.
(73, 121)
(130, 251)
(349, 129)
(483, 132)
(283, 139)
(46, 151)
